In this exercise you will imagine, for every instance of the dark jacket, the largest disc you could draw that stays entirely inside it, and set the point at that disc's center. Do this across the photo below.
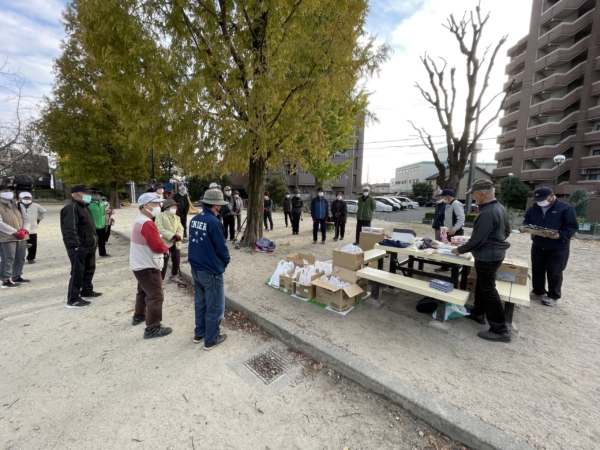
(297, 205)
(287, 204)
(339, 210)
(438, 217)
(228, 208)
(268, 205)
(77, 226)
(491, 229)
(319, 208)
(183, 204)
(560, 216)
(207, 250)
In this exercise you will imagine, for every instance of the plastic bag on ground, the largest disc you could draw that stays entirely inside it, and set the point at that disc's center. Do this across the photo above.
(453, 311)
(282, 267)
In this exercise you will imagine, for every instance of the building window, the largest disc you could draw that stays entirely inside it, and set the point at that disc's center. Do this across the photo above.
(596, 153)
(595, 176)
(354, 180)
(340, 155)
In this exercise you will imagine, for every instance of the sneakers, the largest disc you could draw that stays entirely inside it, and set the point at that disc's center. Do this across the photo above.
(31, 261)
(494, 337)
(198, 339)
(159, 331)
(342, 238)
(546, 301)
(442, 269)
(137, 320)
(323, 242)
(21, 280)
(91, 294)
(105, 256)
(356, 243)
(314, 242)
(534, 296)
(79, 303)
(479, 319)
(175, 279)
(335, 239)
(10, 284)
(207, 346)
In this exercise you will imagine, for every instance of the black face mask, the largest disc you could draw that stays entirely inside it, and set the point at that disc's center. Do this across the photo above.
(218, 211)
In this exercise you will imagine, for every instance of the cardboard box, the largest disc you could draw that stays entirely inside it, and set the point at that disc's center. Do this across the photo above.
(286, 281)
(350, 261)
(350, 276)
(307, 291)
(472, 281)
(367, 241)
(404, 235)
(339, 299)
(298, 259)
(514, 271)
(373, 230)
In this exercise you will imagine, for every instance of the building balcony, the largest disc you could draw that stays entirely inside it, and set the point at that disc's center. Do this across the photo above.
(590, 162)
(548, 150)
(518, 80)
(511, 117)
(502, 171)
(556, 104)
(597, 63)
(558, 80)
(595, 91)
(593, 113)
(506, 136)
(545, 174)
(515, 63)
(504, 154)
(563, 55)
(515, 47)
(512, 98)
(562, 9)
(566, 30)
(553, 128)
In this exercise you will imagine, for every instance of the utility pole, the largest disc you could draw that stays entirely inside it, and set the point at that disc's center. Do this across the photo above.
(152, 153)
(472, 168)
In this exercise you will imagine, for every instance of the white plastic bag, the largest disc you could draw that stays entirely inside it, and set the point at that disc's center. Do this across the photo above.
(282, 267)
(335, 281)
(324, 267)
(350, 248)
(306, 275)
(453, 311)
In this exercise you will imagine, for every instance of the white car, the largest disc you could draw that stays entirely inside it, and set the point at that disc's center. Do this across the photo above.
(409, 203)
(352, 206)
(382, 207)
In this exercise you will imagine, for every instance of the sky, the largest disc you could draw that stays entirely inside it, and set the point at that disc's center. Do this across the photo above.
(30, 36)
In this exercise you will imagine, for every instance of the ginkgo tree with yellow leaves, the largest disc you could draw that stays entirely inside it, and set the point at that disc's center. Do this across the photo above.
(230, 82)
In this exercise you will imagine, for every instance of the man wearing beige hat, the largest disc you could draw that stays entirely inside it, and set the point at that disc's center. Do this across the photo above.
(35, 214)
(13, 239)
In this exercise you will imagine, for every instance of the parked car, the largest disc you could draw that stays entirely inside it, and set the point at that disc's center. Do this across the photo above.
(352, 206)
(381, 207)
(388, 201)
(409, 203)
(402, 205)
(422, 201)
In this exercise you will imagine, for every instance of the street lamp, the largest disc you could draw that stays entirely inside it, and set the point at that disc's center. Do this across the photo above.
(558, 159)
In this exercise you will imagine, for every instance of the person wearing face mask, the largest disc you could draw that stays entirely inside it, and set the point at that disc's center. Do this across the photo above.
(14, 227)
(238, 207)
(550, 253)
(297, 205)
(36, 214)
(319, 208)
(183, 208)
(364, 215)
(159, 190)
(268, 208)
(98, 209)
(339, 211)
(228, 215)
(287, 208)
(170, 228)
(488, 245)
(146, 259)
(438, 222)
(454, 216)
(80, 239)
(208, 256)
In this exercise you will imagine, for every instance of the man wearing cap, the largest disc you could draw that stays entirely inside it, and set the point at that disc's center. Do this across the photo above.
(287, 208)
(13, 239)
(550, 253)
(319, 209)
(146, 260)
(339, 211)
(208, 256)
(35, 215)
(488, 245)
(238, 207)
(454, 215)
(228, 215)
(183, 208)
(80, 239)
(364, 215)
(268, 208)
(297, 205)
(98, 209)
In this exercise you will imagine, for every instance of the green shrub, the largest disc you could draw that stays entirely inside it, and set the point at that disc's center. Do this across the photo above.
(470, 218)
(430, 214)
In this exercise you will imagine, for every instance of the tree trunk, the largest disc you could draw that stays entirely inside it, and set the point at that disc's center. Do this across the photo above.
(114, 196)
(256, 189)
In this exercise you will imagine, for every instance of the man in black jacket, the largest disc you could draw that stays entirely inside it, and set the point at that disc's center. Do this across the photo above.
(79, 235)
(183, 207)
(339, 211)
(287, 208)
(550, 253)
(297, 205)
(488, 246)
(228, 215)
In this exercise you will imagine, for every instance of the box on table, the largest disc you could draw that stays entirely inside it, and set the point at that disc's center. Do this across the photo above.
(404, 235)
(306, 290)
(350, 261)
(298, 259)
(286, 281)
(337, 298)
(367, 241)
(373, 230)
(459, 240)
(514, 271)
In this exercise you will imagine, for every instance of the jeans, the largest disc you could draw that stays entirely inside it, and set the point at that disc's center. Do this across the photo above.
(286, 215)
(548, 264)
(32, 251)
(238, 219)
(269, 217)
(316, 224)
(150, 297)
(359, 225)
(12, 259)
(487, 300)
(209, 303)
(83, 267)
(296, 223)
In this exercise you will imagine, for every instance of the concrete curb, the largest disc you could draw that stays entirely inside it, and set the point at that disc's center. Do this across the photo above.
(439, 414)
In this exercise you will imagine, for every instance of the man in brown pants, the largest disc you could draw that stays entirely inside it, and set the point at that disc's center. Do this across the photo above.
(146, 258)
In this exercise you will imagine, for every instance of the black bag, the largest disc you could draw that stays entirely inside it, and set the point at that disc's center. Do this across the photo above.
(427, 305)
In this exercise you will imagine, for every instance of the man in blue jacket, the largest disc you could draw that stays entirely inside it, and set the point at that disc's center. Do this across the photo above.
(318, 210)
(208, 255)
(550, 253)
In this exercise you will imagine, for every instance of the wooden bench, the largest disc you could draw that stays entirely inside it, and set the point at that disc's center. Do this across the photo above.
(512, 294)
(379, 277)
(375, 255)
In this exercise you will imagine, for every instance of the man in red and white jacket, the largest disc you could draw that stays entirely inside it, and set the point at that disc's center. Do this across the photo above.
(146, 258)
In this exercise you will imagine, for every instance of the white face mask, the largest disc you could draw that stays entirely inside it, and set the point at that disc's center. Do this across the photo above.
(444, 200)
(26, 202)
(7, 195)
(235, 196)
(266, 197)
(287, 195)
(544, 203)
(339, 197)
(227, 192)
(320, 194)
(172, 211)
(160, 191)
(154, 211)
(366, 194)
(182, 191)
(297, 195)
(440, 201)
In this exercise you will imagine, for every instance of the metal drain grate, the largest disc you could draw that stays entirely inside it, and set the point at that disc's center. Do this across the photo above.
(270, 364)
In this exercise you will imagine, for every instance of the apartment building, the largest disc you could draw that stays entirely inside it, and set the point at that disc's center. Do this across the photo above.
(554, 103)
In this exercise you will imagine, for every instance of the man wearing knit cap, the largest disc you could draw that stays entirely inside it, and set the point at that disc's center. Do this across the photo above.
(35, 214)
(146, 259)
(13, 239)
